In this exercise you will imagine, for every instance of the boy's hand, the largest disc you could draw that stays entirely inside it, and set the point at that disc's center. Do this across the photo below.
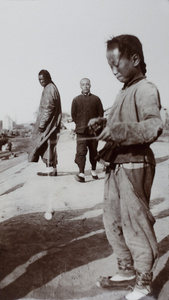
(105, 135)
(41, 129)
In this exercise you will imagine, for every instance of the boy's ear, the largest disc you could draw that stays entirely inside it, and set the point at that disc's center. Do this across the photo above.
(136, 59)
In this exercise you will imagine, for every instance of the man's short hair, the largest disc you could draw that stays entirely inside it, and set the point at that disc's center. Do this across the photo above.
(84, 79)
(128, 45)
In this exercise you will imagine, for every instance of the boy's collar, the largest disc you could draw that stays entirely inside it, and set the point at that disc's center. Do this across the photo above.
(133, 81)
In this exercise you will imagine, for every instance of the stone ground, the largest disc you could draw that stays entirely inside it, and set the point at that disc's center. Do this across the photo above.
(61, 258)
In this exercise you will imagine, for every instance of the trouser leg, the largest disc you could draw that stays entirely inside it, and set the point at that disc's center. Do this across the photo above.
(53, 151)
(137, 220)
(92, 145)
(128, 221)
(113, 226)
(81, 151)
(50, 157)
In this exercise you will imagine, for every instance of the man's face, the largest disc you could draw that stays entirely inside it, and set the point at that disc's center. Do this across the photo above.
(42, 80)
(122, 67)
(85, 86)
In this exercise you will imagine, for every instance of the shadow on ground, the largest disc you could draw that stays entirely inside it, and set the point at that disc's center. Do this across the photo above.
(162, 278)
(161, 159)
(51, 248)
(37, 251)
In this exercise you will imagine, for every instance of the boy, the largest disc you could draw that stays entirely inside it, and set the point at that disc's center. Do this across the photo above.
(133, 124)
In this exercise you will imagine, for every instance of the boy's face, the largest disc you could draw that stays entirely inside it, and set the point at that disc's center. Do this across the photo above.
(123, 68)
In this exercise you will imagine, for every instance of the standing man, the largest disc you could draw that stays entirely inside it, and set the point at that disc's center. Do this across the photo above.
(133, 124)
(47, 126)
(85, 107)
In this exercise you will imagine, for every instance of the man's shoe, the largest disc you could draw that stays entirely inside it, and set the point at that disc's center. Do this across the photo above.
(42, 174)
(106, 282)
(79, 178)
(53, 173)
(94, 175)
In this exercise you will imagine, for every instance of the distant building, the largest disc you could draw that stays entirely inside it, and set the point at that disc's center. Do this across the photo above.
(7, 123)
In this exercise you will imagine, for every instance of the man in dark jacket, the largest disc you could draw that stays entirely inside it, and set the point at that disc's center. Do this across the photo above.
(85, 107)
(47, 125)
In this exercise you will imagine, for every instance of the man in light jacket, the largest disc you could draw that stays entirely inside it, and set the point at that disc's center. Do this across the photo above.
(47, 126)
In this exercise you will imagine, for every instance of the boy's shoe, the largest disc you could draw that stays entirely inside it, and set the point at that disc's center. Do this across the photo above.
(117, 282)
(142, 287)
(80, 177)
(139, 293)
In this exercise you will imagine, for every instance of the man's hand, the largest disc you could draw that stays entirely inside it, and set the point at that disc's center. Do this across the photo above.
(96, 125)
(105, 135)
(93, 122)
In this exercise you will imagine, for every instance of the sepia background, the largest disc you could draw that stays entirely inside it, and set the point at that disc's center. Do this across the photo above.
(62, 258)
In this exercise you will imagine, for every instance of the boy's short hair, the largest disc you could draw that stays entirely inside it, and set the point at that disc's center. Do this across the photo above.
(128, 45)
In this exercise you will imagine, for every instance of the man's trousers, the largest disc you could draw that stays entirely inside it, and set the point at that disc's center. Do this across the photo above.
(84, 143)
(50, 157)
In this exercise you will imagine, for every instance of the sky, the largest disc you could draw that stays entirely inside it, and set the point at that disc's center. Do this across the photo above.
(68, 38)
